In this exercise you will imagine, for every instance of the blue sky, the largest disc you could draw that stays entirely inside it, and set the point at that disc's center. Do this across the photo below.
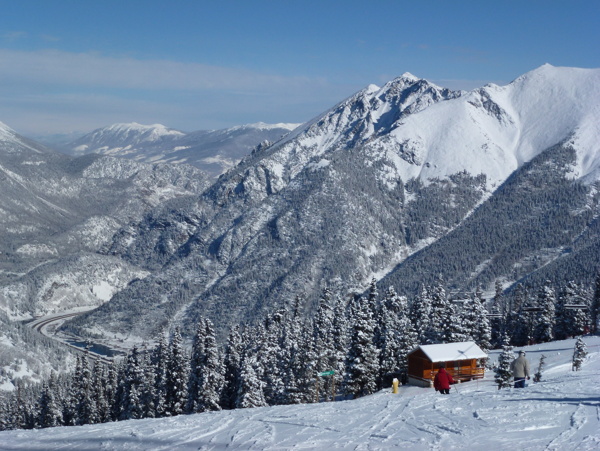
(79, 65)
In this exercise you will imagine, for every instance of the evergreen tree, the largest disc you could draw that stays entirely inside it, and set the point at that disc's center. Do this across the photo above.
(442, 319)
(303, 365)
(525, 320)
(389, 337)
(398, 335)
(268, 351)
(111, 390)
(196, 367)
(503, 372)
(148, 394)
(49, 412)
(499, 313)
(545, 319)
(99, 388)
(250, 393)
(161, 362)
(86, 407)
(176, 376)
(479, 323)
(291, 360)
(341, 340)
(420, 314)
(324, 352)
(132, 387)
(579, 354)
(363, 356)
(571, 318)
(373, 298)
(232, 369)
(206, 376)
(537, 377)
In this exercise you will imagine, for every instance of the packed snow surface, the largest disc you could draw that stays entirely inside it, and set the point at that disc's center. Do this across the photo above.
(560, 413)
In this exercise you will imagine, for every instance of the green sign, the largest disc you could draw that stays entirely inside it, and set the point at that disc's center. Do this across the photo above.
(327, 373)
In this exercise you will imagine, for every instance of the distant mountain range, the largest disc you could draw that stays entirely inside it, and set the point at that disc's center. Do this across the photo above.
(213, 151)
(402, 183)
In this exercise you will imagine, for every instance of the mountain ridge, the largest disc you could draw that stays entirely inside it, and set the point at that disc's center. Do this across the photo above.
(213, 151)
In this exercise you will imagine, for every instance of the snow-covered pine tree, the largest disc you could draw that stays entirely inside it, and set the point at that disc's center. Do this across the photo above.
(210, 376)
(287, 355)
(524, 321)
(537, 377)
(420, 314)
(148, 395)
(269, 354)
(570, 320)
(196, 367)
(232, 368)
(99, 386)
(389, 336)
(176, 376)
(112, 387)
(442, 319)
(499, 311)
(323, 345)
(303, 365)
(132, 387)
(481, 328)
(160, 361)
(513, 327)
(86, 406)
(341, 340)
(363, 356)
(579, 354)
(291, 361)
(250, 393)
(373, 298)
(49, 412)
(503, 372)
(546, 317)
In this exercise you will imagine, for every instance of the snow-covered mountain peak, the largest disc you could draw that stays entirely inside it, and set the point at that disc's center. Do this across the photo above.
(495, 129)
(148, 132)
(430, 132)
(265, 126)
(409, 76)
(14, 143)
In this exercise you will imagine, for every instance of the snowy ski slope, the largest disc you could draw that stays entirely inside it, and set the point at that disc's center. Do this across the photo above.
(560, 413)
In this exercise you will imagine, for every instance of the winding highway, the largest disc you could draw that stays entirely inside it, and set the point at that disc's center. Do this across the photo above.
(44, 325)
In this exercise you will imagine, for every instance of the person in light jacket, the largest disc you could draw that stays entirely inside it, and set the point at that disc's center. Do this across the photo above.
(520, 370)
(442, 381)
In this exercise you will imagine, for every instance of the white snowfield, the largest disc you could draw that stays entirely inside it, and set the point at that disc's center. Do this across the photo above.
(560, 413)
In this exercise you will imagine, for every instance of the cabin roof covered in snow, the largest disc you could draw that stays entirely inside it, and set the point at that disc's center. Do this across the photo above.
(452, 351)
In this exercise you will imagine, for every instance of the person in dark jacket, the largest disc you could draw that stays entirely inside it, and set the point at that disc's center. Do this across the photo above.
(442, 381)
(520, 370)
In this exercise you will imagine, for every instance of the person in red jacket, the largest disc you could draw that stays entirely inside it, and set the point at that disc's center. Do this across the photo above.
(442, 381)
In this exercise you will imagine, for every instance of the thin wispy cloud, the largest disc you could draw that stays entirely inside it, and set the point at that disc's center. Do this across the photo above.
(53, 67)
(50, 38)
(46, 88)
(14, 35)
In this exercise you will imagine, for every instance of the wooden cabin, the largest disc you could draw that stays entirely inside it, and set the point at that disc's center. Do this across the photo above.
(462, 361)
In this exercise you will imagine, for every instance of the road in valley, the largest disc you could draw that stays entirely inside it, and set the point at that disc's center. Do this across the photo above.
(48, 325)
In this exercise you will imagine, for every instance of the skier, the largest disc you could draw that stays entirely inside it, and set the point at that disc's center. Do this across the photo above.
(520, 370)
(442, 381)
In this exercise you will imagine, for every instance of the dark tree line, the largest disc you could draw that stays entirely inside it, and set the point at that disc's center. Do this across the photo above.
(364, 341)
(544, 315)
